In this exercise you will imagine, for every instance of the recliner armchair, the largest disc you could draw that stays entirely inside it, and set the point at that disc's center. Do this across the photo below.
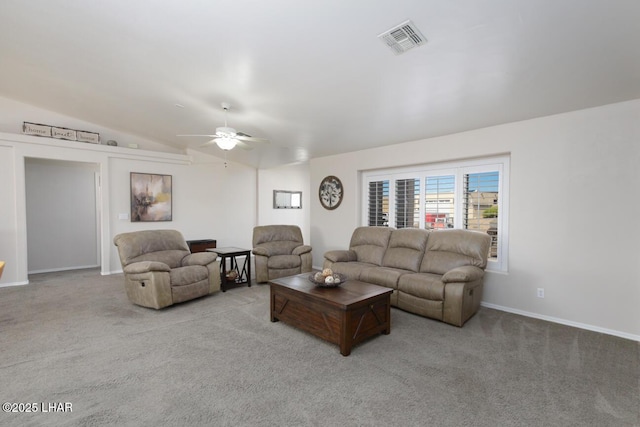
(279, 251)
(160, 270)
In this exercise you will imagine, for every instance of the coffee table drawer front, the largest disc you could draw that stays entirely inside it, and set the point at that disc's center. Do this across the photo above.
(370, 320)
(323, 322)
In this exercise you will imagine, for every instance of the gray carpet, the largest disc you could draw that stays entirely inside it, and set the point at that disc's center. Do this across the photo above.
(74, 337)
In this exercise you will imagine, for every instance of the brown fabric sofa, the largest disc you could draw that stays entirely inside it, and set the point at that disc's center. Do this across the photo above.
(159, 270)
(436, 274)
(279, 251)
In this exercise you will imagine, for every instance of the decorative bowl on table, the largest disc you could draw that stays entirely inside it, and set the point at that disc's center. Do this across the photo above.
(327, 278)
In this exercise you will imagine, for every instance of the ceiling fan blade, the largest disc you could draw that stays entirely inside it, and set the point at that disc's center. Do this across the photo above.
(208, 144)
(244, 146)
(244, 137)
(210, 136)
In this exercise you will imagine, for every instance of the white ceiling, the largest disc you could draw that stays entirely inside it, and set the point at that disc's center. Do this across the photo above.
(312, 76)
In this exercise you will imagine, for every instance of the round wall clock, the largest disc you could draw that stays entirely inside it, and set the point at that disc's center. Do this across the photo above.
(330, 192)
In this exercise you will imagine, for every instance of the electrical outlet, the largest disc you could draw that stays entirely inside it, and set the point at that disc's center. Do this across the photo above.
(540, 292)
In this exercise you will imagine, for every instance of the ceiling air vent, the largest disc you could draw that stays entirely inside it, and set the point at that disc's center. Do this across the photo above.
(403, 37)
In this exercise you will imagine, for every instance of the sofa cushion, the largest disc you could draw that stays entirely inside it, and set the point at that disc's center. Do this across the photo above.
(182, 276)
(169, 245)
(190, 291)
(351, 269)
(301, 250)
(277, 239)
(370, 243)
(173, 258)
(340, 256)
(277, 247)
(406, 249)
(466, 273)
(199, 258)
(422, 285)
(383, 276)
(284, 261)
(145, 266)
(447, 249)
(276, 273)
(424, 307)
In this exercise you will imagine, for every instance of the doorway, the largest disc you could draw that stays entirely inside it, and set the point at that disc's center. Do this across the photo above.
(63, 215)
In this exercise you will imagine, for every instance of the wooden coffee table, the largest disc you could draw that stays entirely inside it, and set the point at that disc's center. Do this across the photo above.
(345, 315)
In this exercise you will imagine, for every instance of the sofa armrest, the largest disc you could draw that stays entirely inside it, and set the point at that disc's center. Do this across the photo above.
(341, 256)
(145, 267)
(466, 273)
(259, 250)
(199, 258)
(302, 249)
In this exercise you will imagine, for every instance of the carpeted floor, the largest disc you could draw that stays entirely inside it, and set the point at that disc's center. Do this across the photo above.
(74, 338)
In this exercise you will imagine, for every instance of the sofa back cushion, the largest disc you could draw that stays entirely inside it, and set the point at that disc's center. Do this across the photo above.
(406, 249)
(447, 249)
(167, 246)
(370, 243)
(277, 239)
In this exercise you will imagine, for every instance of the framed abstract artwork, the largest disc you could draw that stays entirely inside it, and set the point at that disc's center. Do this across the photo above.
(151, 197)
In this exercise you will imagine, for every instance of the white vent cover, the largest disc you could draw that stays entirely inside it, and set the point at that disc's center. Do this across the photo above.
(403, 37)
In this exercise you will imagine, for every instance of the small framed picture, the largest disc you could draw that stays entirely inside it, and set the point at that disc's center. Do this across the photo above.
(36, 129)
(90, 137)
(63, 133)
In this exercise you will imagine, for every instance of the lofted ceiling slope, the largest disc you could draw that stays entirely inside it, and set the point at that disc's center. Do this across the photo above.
(312, 76)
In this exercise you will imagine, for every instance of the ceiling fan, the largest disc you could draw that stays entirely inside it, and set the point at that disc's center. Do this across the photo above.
(227, 137)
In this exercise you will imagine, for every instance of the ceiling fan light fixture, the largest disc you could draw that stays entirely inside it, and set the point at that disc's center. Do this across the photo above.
(225, 131)
(225, 143)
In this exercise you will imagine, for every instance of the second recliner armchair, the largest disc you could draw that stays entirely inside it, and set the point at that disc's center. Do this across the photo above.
(279, 251)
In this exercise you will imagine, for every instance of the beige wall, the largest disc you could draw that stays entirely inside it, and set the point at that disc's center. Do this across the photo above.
(288, 178)
(587, 267)
(209, 200)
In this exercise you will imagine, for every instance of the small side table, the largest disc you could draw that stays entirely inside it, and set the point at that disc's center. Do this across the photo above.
(243, 273)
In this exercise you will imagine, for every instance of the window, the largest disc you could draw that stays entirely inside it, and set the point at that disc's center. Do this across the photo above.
(468, 195)
(378, 203)
(407, 203)
(439, 201)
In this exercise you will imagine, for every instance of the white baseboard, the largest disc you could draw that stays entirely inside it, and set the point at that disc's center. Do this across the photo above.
(53, 270)
(6, 285)
(563, 322)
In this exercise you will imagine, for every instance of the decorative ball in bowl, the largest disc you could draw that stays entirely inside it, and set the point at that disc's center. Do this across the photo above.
(327, 278)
